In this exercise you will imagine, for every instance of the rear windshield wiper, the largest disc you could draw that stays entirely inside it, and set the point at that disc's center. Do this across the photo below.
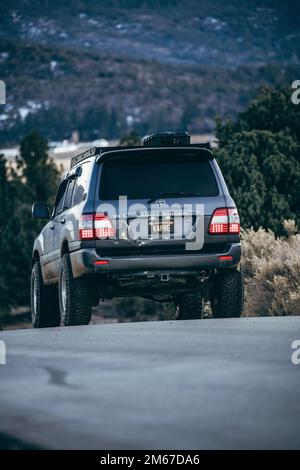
(179, 194)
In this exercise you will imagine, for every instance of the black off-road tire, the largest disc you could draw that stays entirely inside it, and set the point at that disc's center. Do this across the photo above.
(189, 306)
(44, 301)
(227, 294)
(76, 308)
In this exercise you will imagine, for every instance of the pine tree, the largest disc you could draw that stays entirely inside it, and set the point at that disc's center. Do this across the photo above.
(259, 155)
(39, 171)
(35, 179)
(7, 205)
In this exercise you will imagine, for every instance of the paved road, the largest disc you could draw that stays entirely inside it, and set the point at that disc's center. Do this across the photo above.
(167, 385)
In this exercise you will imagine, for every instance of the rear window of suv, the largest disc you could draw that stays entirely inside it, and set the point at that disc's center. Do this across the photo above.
(145, 177)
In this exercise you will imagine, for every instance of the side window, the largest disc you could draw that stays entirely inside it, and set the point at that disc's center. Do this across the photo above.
(69, 194)
(81, 183)
(60, 197)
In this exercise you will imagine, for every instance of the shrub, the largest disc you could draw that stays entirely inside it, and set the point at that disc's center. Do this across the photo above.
(271, 269)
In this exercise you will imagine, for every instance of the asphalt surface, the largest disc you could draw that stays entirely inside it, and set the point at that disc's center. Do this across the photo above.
(207, 384)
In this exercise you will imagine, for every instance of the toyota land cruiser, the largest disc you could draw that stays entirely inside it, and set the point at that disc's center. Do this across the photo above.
(155, 221)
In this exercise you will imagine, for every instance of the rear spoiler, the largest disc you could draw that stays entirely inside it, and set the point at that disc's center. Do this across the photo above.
(196, 151)
(106, 151)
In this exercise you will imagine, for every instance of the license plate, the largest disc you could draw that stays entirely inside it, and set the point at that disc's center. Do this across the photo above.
(162, 227)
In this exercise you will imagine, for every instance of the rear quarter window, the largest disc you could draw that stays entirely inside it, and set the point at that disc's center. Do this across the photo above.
(82, 183)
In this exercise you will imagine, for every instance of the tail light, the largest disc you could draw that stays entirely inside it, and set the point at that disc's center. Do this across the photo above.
(86, 227)
(103, 226)
(219, 221)
(95, 226)
(225, 221)
(234, 220)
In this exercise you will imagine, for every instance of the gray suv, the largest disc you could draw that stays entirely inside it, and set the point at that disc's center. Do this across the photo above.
(155, 221)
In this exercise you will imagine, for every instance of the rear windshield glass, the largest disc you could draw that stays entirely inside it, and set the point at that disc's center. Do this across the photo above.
(142, 177)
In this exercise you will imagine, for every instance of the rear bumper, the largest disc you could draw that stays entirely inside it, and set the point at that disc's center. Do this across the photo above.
(83, 262)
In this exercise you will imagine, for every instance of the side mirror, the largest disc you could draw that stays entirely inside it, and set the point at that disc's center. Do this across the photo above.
(40, 210)
(75, 174)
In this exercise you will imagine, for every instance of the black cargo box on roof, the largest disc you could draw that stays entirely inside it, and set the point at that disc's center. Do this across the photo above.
(165, 139)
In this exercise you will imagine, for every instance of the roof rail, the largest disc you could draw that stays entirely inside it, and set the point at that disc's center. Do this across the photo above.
(96, 151)
(82, 156)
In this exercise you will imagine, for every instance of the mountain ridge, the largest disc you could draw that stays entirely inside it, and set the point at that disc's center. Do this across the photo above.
(104, 68)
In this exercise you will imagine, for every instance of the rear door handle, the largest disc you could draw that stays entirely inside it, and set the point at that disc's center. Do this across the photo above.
(62, 221)
(52, 227)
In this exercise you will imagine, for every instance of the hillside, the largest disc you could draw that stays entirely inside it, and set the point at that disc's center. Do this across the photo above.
(104, 67)
(210, 32)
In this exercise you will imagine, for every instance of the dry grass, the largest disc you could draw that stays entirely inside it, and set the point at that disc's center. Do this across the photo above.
(271, 269)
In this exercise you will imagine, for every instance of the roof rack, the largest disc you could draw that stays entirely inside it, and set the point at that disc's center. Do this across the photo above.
(82, 156)
(99, 150)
